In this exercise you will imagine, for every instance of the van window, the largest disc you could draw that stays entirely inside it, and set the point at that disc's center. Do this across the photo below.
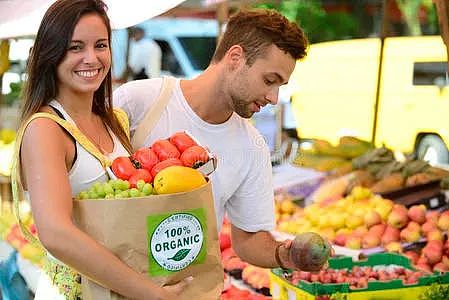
(199, 50)
(430, 73)
(169, 63)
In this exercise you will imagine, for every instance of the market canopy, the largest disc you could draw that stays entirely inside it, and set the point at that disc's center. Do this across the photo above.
(20, 18)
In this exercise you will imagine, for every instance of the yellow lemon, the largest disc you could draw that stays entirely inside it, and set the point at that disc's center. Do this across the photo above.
(177, 179)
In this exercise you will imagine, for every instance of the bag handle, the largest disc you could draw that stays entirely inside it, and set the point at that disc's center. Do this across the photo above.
(16, 182)
(154, 113)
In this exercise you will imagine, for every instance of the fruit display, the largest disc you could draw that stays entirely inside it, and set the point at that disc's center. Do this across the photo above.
(11, 233)
(364, 220)
(7, 136)
(358, 276)
(7, 142)
(378, 276)
(379, 171)
(255, 278)
(323, 156)
(233, 293)
(285, 208)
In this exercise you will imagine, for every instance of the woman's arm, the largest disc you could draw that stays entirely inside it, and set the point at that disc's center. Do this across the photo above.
(43, 158)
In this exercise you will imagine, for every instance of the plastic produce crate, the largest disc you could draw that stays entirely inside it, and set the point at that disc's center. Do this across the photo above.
(282, 289)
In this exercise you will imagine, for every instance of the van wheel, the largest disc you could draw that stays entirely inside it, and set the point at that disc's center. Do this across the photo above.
(432, 149)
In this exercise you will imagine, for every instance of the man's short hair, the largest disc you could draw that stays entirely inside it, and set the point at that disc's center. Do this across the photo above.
(256, 30)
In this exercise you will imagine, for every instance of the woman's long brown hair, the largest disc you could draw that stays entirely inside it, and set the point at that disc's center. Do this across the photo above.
(50, 47)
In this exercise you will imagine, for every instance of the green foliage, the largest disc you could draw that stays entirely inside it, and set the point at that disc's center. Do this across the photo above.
(432, 19)
(436, 292)
(14, 95)
(316, 22)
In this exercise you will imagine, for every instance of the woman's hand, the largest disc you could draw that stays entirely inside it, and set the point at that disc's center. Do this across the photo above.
(176, 289)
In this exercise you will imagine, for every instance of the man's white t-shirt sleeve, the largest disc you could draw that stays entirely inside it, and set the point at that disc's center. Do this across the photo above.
(251, 208)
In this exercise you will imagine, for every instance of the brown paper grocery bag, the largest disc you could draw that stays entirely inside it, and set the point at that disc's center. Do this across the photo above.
(168, 237)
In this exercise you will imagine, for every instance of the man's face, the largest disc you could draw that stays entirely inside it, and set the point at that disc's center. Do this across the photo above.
(253, 87)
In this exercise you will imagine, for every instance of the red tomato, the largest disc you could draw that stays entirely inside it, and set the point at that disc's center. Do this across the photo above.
(123, 168)
(164, 150)
(164, 164)
(146, 157)
(194, 157)
(141, 174)
(182, 141)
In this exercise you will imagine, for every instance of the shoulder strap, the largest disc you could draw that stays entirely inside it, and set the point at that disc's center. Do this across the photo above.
(154, 113)
(16, 183)
(122, 118)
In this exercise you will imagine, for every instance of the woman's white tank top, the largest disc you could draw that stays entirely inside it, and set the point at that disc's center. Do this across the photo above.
(86, 169)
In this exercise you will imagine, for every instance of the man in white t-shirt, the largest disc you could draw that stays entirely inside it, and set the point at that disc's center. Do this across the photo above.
(255, 57)
(144, 56)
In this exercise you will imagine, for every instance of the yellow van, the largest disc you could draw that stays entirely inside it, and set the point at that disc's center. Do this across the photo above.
(335, 94)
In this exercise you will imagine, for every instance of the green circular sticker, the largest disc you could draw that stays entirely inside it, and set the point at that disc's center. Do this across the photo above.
(177, 241)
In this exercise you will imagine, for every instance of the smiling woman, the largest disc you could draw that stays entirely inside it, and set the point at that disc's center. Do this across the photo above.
(69, 131)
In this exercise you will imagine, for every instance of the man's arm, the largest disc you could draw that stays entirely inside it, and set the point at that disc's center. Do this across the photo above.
(259, 248)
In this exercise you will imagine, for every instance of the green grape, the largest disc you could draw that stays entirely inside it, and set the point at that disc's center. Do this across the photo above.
(124, 194)
(118, 196)
(97, 186)
(134, 193)
(118, 184)
(124, 185)
(92, 194)
(140, 184)
(108, 189)
(109, 196)
(100, 191)
(147, 189)
(83, 195)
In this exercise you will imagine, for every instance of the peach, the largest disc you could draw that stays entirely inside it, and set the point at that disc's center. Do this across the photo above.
(370, 241)
(372, 218)
(353, 242)
(377, 229)
(417, 213)
(413, 256)
(432, 216)
(443, 221)
(391, 234)
(428, 226)
(394, 247)
(409, 235)
(398, 217)
(435, 234)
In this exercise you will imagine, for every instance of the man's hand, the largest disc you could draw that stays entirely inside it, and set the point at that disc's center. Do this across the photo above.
(284, 255)
(286, 261)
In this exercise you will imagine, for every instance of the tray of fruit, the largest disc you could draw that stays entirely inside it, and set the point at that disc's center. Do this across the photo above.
(380, 276)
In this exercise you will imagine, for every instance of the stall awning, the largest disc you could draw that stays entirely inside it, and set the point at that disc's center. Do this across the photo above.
(20, 18)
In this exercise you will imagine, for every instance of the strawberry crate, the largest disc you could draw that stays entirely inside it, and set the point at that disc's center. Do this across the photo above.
(283, 289)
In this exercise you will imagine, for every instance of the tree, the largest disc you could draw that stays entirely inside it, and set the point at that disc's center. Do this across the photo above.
(410, 9)
(316, 22)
